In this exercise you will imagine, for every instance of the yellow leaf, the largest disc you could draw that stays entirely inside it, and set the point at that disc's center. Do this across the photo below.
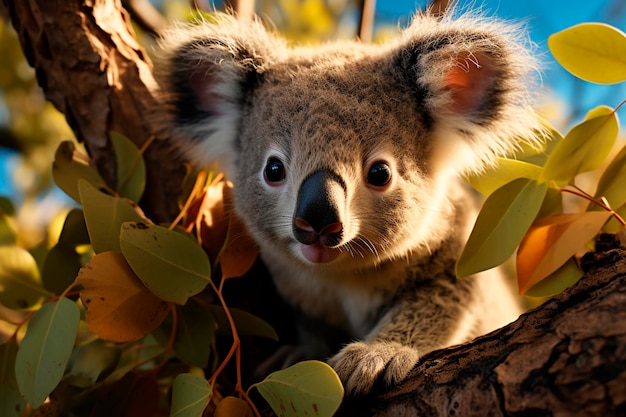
(584, 148)
(595, 52)
(119, 307)
(233, 407)
(551, 241)
(505, 171)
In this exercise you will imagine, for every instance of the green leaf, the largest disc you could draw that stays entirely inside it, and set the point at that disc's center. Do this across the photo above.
(502, 222)
(505, 171)
(595, 52)
(555, 283)
(195, 334)
(6, 206)
(68, 170)
(190, 396)
(60, 268)
(612, 184)
(92, 362)
(46, 349)
(7, 235)
(247, 324)
(170, 264)
(552, 203)
(306, 388)
(584, 148)
(74, 232)
(20, 283)
(613, 226)
(537, 154)
(131, 168)
(104, 216)
(11, 402)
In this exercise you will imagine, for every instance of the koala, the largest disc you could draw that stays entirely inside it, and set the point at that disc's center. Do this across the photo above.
(346, 161)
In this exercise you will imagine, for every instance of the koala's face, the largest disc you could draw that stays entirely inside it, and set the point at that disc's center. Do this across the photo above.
(327, 169)
(341, 154)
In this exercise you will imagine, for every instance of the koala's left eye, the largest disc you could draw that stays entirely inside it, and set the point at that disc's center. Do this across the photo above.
(379, 174)
(274, 171)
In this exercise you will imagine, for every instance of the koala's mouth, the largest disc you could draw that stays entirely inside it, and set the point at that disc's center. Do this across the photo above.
(318, 253)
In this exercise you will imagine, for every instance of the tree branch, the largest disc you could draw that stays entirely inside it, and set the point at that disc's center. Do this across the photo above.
(565, 358)
(93, 70)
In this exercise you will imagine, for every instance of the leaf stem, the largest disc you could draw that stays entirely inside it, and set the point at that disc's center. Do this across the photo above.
(234, 350)
(200, 183)
(603, 204)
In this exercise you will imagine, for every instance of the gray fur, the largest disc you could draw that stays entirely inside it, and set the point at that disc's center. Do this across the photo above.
(444, 99)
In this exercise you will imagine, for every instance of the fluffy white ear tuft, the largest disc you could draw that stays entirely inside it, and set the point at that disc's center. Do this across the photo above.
(472, 76)
(205, 71)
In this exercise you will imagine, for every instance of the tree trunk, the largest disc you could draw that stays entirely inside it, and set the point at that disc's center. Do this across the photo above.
(567, 357)
(564, 358)
(92, 69)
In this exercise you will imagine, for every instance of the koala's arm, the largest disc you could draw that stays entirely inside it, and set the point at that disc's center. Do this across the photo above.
(429, 315)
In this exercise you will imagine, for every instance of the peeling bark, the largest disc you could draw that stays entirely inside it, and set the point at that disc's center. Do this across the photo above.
(91, 67)
(564, 358)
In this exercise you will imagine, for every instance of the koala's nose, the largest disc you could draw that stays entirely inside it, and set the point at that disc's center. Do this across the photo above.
(317, 218)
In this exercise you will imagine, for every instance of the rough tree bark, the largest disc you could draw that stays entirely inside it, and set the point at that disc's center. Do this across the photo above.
(568, 357)
(565, 358)
(91, 67)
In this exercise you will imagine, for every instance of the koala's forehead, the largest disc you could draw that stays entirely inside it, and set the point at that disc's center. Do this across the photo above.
(329, 104)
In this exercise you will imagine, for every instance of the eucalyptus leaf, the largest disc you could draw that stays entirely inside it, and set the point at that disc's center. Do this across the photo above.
(502, 222)
(555, 283)
(68, 170)
(595, 52)
(20, 282)
(74, 232)
(60, 268)
(6, 206)
(104, 216)
(7, 235)
(233, 407)
(92, 362)
(247, 324)
(11, 402)
(170, 264)
(505, 171)
(190, 396)
(612, 183)
(195, 334)
(537, 153)
(584, 148)
(46, 349)
(552, 241)
(131, 168)
(306, 388)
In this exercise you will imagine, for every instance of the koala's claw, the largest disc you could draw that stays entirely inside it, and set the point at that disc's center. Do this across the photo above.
(360, 365)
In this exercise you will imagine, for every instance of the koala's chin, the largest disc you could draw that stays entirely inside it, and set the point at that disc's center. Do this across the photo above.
(345, 159)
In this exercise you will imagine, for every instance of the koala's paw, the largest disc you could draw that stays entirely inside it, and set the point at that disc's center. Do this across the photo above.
(360, 365)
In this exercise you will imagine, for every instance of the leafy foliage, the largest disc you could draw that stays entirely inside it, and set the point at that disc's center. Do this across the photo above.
(524, 208)
(121, 305)
(314, 389)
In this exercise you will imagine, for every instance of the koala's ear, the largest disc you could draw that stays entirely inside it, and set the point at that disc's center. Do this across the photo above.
(472, 78)
(205, 71)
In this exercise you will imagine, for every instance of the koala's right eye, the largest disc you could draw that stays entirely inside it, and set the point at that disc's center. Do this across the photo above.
(274, 171)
